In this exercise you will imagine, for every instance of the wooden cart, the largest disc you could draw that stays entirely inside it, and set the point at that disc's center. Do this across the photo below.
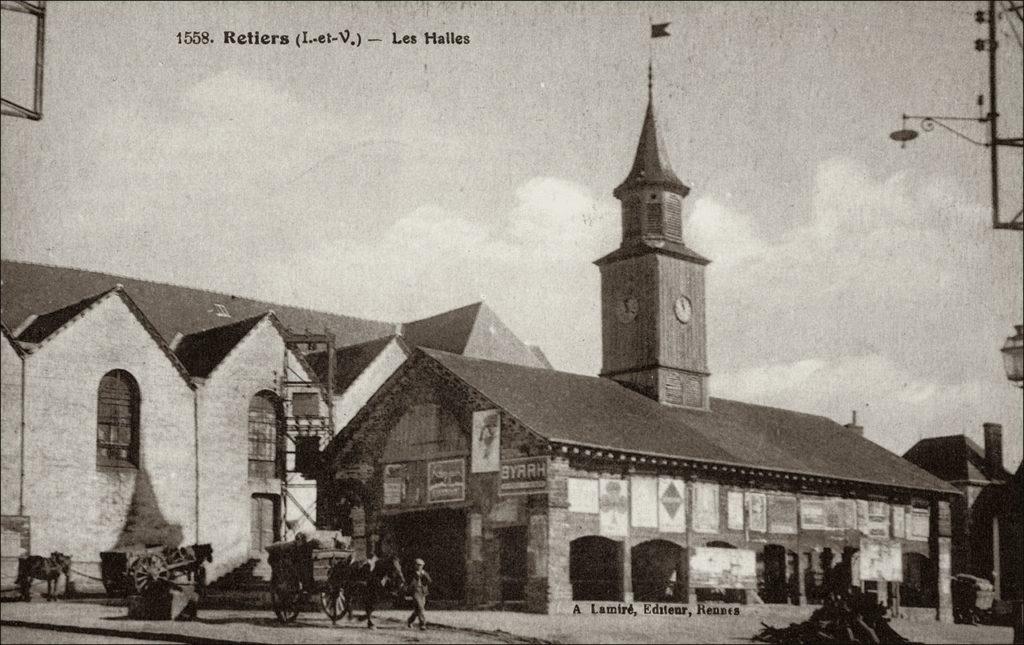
(300, 569)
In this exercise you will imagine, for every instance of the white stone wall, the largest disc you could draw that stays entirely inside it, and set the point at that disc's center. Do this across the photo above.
(75, 506)
(254, 365)
(10, 427)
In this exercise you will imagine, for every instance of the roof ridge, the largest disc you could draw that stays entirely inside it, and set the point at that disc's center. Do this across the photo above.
(200, 289)
(446, 312)
(775, 407)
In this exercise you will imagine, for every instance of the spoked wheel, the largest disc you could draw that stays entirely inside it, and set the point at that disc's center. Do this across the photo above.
(147, 570)
(333, 604)
(285, 601)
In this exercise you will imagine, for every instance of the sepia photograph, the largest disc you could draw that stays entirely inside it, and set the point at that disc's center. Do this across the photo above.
(512, 322)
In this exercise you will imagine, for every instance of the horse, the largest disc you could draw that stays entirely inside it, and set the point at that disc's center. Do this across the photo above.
(39, 568)
(371, 579)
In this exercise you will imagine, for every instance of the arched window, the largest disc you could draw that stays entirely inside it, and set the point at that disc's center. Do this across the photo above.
(263, 422)
(117, 420)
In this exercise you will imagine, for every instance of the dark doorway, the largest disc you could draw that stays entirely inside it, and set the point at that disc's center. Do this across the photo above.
(595, 568)
(917, 589)
(263, 523)
(659, 570)
(512, 556)
(774, 586)
(439, 538)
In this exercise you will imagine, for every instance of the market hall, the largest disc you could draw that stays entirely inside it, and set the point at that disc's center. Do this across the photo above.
(534, 488)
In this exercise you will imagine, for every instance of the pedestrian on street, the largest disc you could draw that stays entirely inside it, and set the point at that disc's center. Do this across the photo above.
(419, 585)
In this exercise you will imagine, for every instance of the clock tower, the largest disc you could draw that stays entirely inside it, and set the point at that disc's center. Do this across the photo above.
(652, 286)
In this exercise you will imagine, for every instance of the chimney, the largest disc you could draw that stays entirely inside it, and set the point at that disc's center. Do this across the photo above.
(399, 329)
(994, 449)
(853, 427)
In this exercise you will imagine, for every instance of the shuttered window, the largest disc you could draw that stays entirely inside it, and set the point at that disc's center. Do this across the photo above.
(263, 427)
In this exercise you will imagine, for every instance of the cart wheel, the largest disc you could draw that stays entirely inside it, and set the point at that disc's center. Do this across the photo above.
(333, 604)
(285, 602)
(147, 569)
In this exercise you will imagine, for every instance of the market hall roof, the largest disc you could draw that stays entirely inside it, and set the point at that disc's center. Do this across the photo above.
(599, 413)
(53, 293)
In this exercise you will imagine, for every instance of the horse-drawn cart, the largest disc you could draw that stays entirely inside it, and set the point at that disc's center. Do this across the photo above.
(302, 568)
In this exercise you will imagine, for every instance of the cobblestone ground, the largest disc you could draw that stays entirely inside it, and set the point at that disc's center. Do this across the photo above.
(447, 626)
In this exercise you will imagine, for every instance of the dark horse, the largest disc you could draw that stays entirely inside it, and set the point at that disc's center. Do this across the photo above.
(36, 567)
(371, 579)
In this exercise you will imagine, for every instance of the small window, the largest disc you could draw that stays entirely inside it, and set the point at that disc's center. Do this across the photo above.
(117, 420)
(221, 311)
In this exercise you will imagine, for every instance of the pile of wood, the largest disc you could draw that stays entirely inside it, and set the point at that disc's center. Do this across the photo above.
(843, 620)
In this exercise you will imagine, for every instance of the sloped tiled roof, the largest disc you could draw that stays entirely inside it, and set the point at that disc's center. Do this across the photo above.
(43, 326)
(350, 361)
(953, 458)
(36, 289)
(599, 413)
(473, 330)
(203, 351)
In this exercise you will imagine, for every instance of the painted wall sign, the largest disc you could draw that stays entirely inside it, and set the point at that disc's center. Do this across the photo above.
(671, 505)
(584, 495)
(723, 568)
(523, 476)
(486, 449)
(734, 510)
(705, 507)
(881, 560)
(644, 501)
(757, 512)
(446, 480)
(782, 512)
(614, 505)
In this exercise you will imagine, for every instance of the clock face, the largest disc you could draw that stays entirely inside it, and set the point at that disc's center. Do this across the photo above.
(683, 309)
(627, 309)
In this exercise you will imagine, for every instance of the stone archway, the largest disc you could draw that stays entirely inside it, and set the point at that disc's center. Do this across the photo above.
(595, 568)
(659, 571)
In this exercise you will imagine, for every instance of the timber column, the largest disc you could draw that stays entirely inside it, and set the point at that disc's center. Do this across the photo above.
(559, 586)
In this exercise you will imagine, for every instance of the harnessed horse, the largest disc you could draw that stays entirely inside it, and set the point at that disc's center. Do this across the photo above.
(371, 579)
(39, 568)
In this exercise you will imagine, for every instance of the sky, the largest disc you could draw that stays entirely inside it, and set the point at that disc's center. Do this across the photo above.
(395, 181)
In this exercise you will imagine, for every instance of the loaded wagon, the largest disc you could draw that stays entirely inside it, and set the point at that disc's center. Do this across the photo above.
(305, 567)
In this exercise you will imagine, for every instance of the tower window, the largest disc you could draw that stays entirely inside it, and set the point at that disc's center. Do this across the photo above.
(674, 218)
(654, 219)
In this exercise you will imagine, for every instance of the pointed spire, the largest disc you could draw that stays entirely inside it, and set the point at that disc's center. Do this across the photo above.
(651, 166)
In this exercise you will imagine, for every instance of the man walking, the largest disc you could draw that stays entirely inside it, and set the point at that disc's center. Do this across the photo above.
(419, 583)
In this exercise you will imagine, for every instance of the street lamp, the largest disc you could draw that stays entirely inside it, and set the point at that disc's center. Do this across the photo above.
(1013, 357)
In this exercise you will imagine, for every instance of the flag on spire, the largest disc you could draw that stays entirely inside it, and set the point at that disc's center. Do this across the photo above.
(660, 30)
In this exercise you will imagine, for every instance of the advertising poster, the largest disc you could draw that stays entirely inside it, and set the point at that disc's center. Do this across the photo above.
(671, 505)
(486, 448)
(705, 507)
(782, 512)
(394, 483)
(898, 524)
(881, 560)
(723, 568)
(583, 495)
(919, 524)
(446, 480)
(757, 512)
(644, 501)
(877, 525)
(814, 514)
(734, 510)
(614, 506)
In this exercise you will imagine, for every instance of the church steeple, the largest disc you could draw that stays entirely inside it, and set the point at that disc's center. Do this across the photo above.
(652, 286)
(651, 165)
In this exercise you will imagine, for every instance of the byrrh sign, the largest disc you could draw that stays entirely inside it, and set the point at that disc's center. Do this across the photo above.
(523, 476)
